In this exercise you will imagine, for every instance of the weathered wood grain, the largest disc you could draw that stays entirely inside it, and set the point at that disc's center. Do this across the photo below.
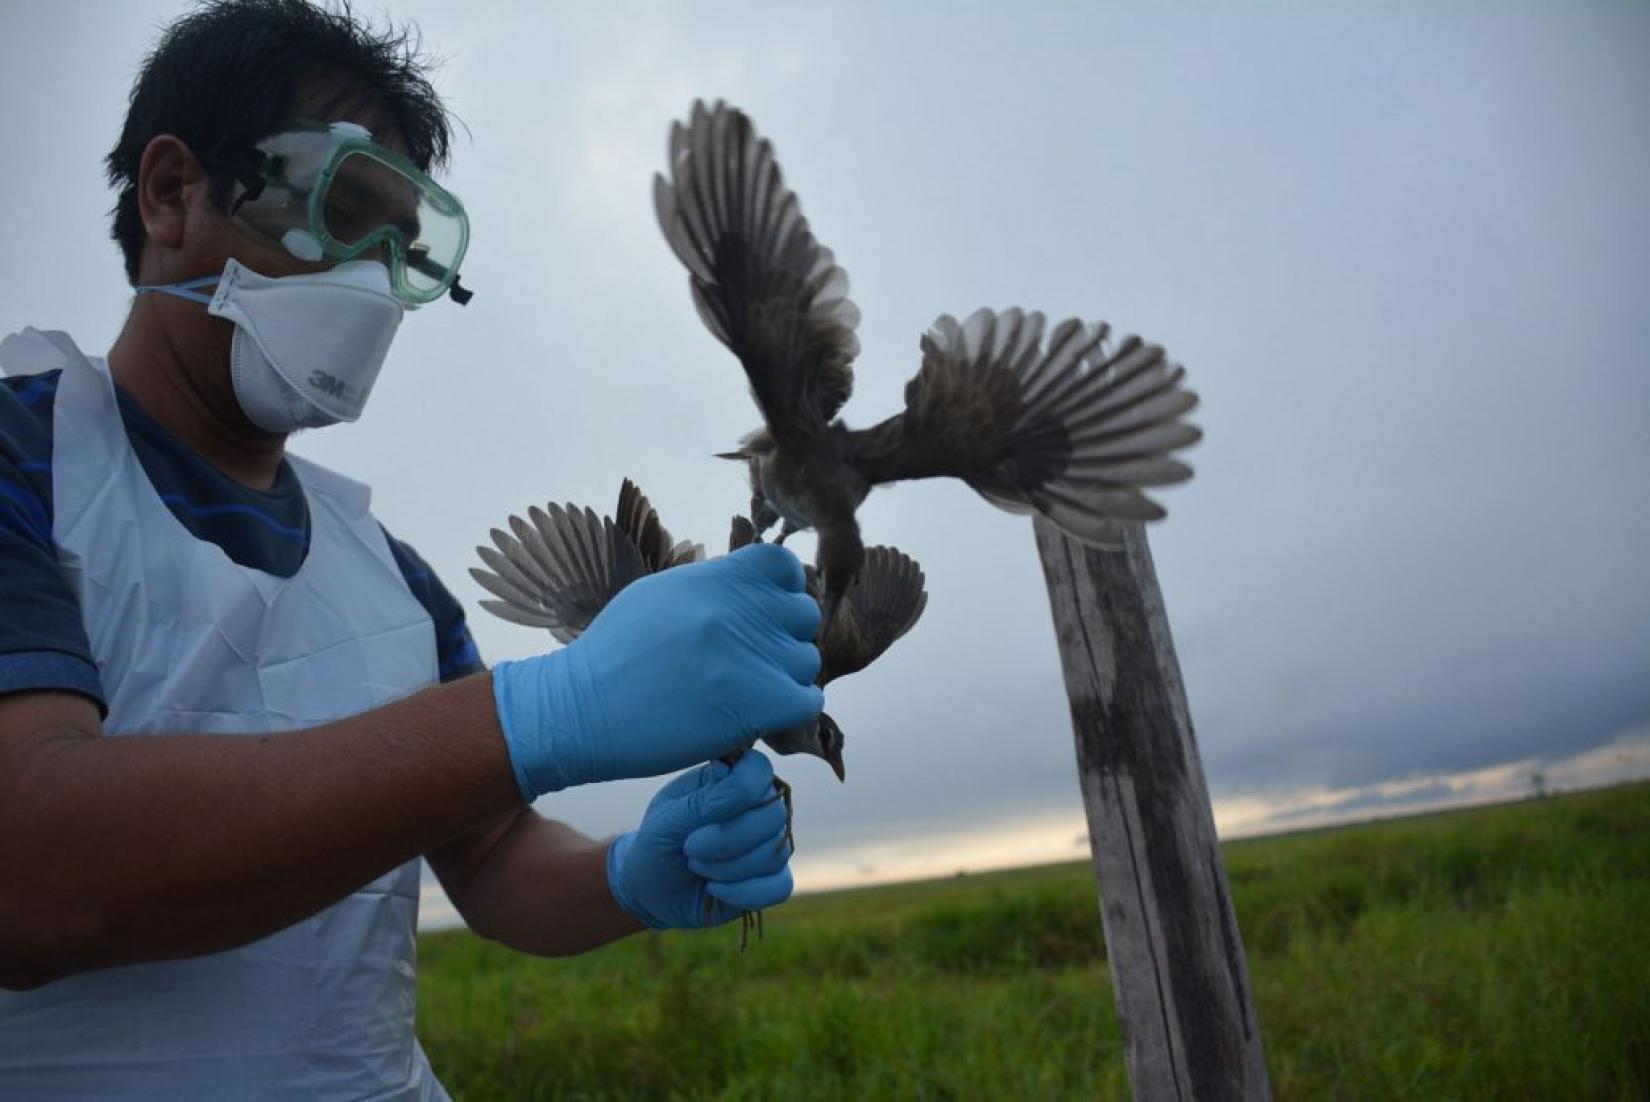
(1176, 959)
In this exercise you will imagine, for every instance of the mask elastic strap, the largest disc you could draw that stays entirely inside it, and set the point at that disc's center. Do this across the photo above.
(184, 289)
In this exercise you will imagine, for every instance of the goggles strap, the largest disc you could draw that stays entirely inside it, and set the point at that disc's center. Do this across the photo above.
(245, 164)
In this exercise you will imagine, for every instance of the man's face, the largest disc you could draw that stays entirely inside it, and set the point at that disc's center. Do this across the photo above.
(196, 238)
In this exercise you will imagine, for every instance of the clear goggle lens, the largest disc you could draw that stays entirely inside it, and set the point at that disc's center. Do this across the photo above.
(367, 201)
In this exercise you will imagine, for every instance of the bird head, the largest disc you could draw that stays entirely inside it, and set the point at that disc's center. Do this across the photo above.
(822, 739)
(830, 740)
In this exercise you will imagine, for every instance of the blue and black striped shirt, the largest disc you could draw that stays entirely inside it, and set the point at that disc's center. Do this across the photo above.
(42, 640)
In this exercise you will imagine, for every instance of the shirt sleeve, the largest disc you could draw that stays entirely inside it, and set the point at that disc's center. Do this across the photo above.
(43, 643)
(456, 652)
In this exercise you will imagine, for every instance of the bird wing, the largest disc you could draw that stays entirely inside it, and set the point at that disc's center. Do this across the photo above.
(884, 602)
(762, 284)
(638, 520)
(558, 569)
(1073, 427)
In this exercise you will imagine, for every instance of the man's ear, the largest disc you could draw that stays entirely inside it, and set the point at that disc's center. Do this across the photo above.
(167, 168)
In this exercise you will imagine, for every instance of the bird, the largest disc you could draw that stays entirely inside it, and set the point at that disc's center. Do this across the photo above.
(560, 566)
(1059, 419)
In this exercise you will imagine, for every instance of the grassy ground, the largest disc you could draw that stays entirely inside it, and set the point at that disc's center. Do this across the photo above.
(1494, 953)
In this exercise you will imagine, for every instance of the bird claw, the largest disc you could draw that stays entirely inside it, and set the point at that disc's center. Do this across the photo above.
(752, 920)
(748, 921)
(782, 791)
(763, 515)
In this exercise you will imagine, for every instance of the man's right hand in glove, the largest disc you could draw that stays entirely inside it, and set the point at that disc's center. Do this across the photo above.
(711, 845)
(682, 667)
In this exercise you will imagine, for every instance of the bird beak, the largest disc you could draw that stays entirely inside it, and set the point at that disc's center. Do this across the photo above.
(738, 457)
(833, 758)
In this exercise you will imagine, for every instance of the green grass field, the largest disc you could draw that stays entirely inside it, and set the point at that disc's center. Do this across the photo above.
(1495, 953)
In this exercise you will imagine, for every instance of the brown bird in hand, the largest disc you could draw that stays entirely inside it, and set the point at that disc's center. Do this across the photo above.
(563, 564)
(1064, 422)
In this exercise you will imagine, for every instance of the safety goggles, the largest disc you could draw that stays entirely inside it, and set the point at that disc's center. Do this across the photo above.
(328, 191)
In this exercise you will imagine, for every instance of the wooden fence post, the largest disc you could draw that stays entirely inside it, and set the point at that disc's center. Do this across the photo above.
(1172, 943)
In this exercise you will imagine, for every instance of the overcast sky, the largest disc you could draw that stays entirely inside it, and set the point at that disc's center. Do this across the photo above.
(1404, 254)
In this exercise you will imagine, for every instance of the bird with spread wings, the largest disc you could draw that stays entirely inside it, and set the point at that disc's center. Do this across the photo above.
(558, 567)
(1060, 420)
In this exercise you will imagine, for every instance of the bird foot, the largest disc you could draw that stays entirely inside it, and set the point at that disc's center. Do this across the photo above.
(782, 791)
(748, 921)
(763, 515)
(752, 920)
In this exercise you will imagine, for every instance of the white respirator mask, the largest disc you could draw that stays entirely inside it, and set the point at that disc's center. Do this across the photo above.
(307, 348)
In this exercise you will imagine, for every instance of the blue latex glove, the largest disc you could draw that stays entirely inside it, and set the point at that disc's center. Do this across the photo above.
(681, 667)
(715, 832)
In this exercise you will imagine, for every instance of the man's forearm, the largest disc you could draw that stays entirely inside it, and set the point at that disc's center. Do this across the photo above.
(541, 888)
(122, 849)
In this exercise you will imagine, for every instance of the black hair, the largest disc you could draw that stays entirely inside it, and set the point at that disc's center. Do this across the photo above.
(232, 71)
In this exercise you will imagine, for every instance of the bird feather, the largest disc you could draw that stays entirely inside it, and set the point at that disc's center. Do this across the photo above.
(761, 283)
(1069, 426)
(883, 603)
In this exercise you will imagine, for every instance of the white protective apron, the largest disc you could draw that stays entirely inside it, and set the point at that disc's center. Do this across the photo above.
(187, 640)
